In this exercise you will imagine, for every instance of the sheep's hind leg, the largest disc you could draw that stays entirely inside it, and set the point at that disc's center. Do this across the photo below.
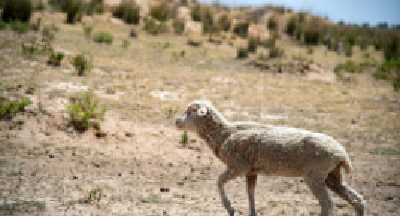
(231, 173)
(251, 184)
(317, 185)
(336, 183)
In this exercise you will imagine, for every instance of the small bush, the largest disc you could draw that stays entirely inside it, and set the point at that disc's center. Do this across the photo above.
(20, 10)
(268, 43)
(99, 9)
(208, 23)
(103, 37)
(48, 33)
(262, 57)
(20, 27)
(311, 36)
(40, 6)
(55, 59)
(348, 51)
(87, 30)
(12, 107)
(299, 33)
(242, 53)
(381, 75)
(3, 25)
(291, 26)
(82, 111)
(276, 52)
(128, 11)
(160, 12)
(241, 29)
(196, 13)
(396, 81)
(349, 66)
(391, 49)
(224, 23)
(74, 11)
(185, 139)
(351, 39)
(125, 43)
(252, 44)
(153, 28)
(36, 26)
(272, 23)
(81, 64)
(179, 26)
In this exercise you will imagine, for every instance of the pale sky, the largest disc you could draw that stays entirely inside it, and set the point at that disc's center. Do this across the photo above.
(351, 11)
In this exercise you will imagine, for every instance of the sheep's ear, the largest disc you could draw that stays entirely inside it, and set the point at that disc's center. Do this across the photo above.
(202, 111)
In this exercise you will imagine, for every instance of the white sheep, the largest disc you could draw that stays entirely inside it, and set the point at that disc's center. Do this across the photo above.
(249, 148)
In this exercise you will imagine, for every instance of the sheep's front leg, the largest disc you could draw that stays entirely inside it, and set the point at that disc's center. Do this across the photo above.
(251, 185)
(231, 173)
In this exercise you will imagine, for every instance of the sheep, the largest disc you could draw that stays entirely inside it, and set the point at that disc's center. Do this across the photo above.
(250, 148)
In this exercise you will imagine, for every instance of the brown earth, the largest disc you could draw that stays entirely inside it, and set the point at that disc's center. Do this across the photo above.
(141, 167)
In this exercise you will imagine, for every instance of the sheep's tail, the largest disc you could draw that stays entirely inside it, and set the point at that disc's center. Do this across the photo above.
(346, 164)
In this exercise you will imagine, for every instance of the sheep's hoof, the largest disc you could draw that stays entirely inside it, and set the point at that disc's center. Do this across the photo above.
(232, 211)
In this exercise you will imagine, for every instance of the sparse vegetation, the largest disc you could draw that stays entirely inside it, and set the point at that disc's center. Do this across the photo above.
(185, 139)
(160, 12)
(81, 64)
(84, 110)
(125, 43)
(55, 59)
(380, 75)
(242, 53)
(252, 44)
(103, 37)
(20, 27)
(272, 23)
(291, 26)
(48, 33)
(276, 52)
(241, 29)
(224, 23)
(349, 66)
(87, 30)
(154, 27)
(179, 26)
(12, 107)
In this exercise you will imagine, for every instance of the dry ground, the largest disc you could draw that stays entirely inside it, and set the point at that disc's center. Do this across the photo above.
(141, 167)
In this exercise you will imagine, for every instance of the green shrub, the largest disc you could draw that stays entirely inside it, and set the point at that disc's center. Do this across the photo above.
(55, 59)
(242, 53)
(82, 111)
(20, 10)
(3, 25)
(81, 64)
(241, 29)
(262, 57)
(392, 64)
(351, 39)
(99, 9)
(291, 26)
(185, 139)
(299, 32)
(349, 66)
(381, 75)
(311, 36)
(272, 23)
(276, 52)
(207, 20)
(224, 23)
(252, 44)
(391, 49)
(74, 11)
(88, 30)
(125, 43)
(128, 11)
(196, 13)
(40, 6)
(12, 107)
(103, 37)
(48, 33)
(396, 81)
(160, 12)
(348, 50)
(20, 27)
(179, 26)
(153, 28)
(269, 43)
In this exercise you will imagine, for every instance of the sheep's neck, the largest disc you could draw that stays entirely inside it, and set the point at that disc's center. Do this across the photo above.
(215, 133)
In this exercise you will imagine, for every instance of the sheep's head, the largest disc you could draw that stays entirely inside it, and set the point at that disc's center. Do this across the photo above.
(194, 116)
